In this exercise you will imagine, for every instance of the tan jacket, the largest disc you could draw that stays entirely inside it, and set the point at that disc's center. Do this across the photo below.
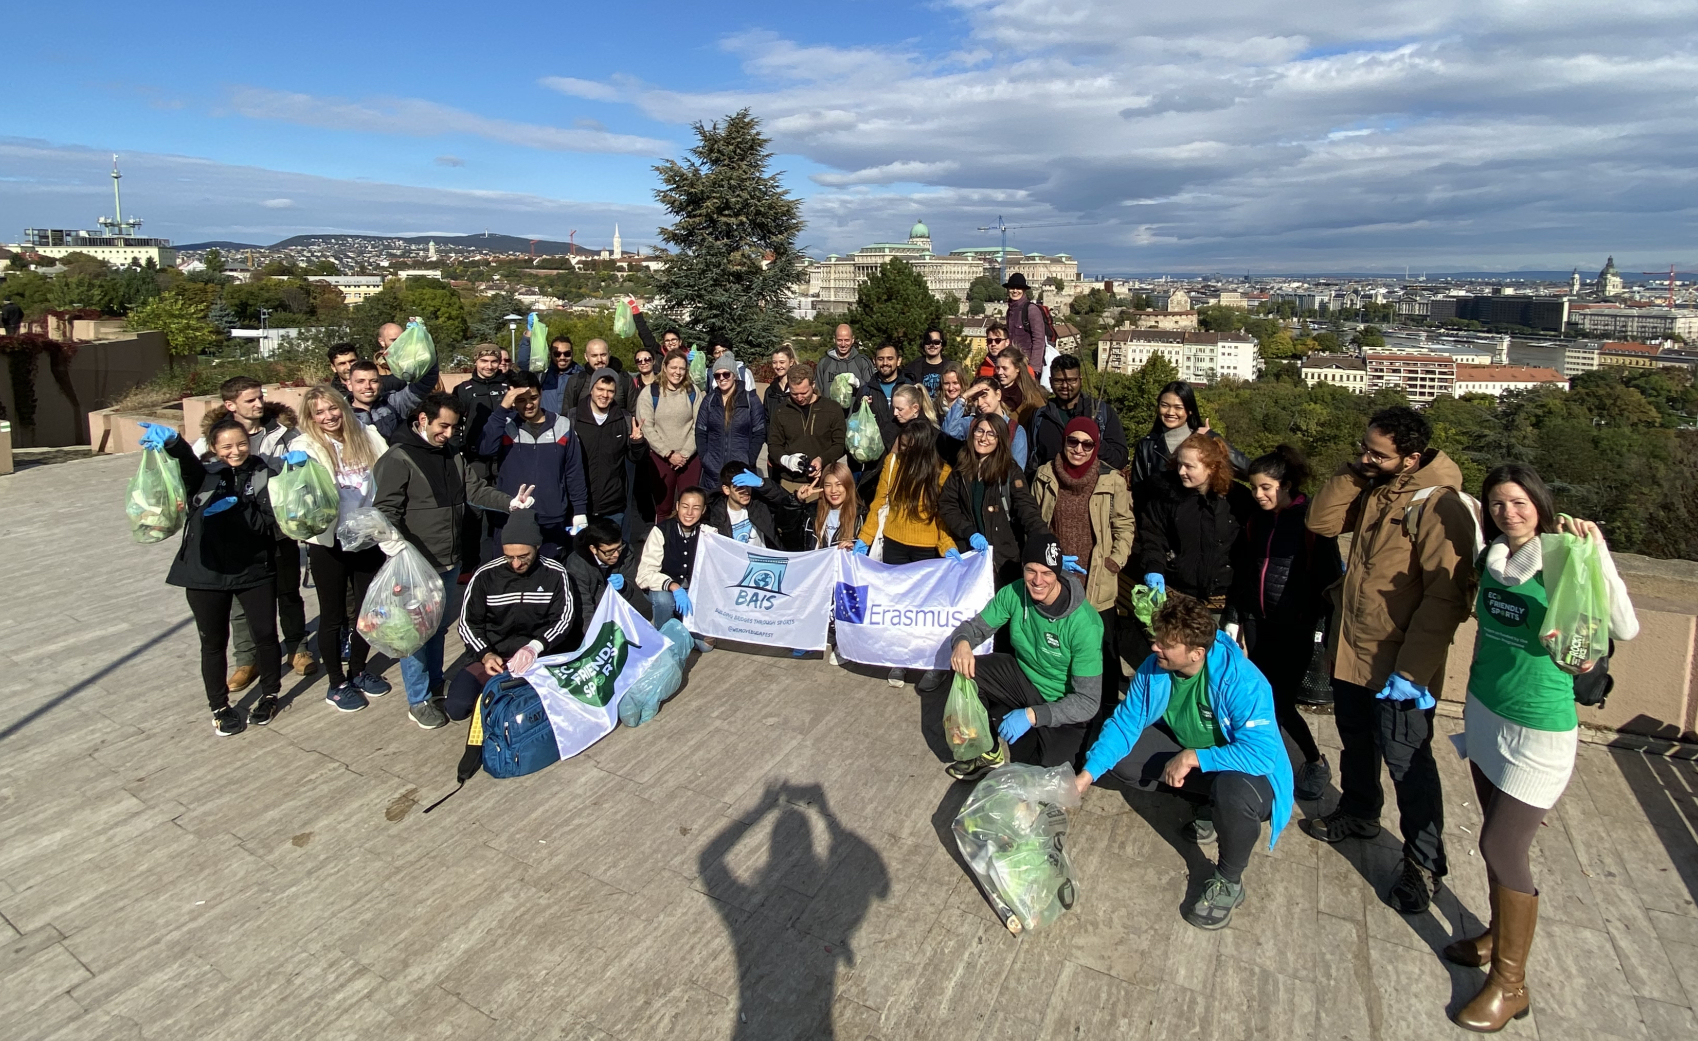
(1111, 523)
(1403, 594)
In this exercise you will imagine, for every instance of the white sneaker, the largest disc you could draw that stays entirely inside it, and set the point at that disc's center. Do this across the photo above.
(831, 657)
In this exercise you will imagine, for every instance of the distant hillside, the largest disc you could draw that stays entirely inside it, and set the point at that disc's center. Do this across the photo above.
(493, 242)
(219, 244)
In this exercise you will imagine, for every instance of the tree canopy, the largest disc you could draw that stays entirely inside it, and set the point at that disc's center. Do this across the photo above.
(895, 306)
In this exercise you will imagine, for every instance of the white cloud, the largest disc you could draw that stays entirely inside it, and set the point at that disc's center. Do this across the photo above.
(889, 173)
(278, 204)
(577, 88)
(449, 160)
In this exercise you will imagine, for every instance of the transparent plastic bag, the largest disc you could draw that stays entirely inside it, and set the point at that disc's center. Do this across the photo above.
(661, 680)
(1012, 832)
(843, 389)
(1576, 632)
(1145, 601)
(537, 330)
(363, 528)
(413, 352)
(863, 439)
(403, 607)
(966, 726)
(624, 323)
(698, 369)
(154, 499)
(304, 500)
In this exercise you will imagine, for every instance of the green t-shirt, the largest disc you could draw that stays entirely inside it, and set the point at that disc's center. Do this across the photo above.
(1513, 674)
(1189, 714)
(1050, 650)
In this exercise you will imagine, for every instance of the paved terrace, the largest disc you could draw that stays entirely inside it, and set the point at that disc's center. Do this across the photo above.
(770, 858)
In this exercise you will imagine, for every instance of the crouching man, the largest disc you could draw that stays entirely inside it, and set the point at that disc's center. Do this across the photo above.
(1199, 721)
(1041, 697)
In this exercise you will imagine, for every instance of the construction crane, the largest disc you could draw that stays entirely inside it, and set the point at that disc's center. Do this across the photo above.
(1002, 254)
(1670, 301)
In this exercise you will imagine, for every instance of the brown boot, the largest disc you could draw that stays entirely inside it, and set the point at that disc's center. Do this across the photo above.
(304, 663)
(1477, 951)
(241, 678)
(1505, 997)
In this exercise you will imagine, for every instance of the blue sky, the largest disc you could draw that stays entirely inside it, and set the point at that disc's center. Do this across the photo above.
(1224, 135)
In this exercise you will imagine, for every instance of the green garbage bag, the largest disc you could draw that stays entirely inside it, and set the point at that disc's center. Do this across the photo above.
(537, 329)
(863, 439)
(1576, 632)
(1012, 831)
(304, 500)
(843, 389)
(965, 724)
(154, 500)
(698, 369)
(624, 324)
(413, 352)
(1145, 601)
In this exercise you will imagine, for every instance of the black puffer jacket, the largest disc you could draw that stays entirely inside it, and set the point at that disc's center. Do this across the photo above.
(1150, 460)
(1188, 538)
(478, 398)
(236, 547)
(1007, 517)
(1282, 570)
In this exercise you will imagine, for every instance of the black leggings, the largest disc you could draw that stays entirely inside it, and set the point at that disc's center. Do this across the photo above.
(211, 608)
(902, 553)
(1282, 652)
(1506, 835)
(339, 576)
(1004, 687)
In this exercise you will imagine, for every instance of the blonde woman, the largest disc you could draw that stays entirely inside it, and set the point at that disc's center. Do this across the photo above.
(667, 408)
(348, 449)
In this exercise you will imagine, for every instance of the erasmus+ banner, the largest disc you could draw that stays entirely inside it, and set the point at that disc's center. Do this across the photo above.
(900, 616)
(580, 691)
(756, 595)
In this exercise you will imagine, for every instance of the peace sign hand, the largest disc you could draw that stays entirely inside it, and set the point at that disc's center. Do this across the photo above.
(636, 429)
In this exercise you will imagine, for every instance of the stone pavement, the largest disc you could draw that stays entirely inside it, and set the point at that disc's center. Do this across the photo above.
(769, 858)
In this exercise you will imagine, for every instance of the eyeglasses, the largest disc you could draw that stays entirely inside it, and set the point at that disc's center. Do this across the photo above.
(984, 432)
(1080, 442)
(1375, 457)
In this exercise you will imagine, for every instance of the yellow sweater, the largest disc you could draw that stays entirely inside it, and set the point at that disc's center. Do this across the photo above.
(901, 526)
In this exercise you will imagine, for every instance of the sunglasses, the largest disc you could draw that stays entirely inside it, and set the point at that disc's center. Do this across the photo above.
(643, 359)
(996, 339)
(722, 375)
(1080, 442)
(562, 354)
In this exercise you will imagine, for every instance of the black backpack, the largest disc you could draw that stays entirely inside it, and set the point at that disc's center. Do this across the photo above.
(1591, 688)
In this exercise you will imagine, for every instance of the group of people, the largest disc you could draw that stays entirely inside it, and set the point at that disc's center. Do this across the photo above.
(526, 488)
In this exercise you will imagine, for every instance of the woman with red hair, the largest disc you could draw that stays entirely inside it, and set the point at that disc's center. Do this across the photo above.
(1189, 520)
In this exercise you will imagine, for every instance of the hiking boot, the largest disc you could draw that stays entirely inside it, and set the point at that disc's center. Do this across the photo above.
(226, 721)
(1338, 826)
(896, 678)
(241, 678)
(304, 663)
(1412, 893)
(1201, 830)
(346, 697)
(973, 769)
(932, 680)
(428, 714)
(1312, 779)
(1214, 907)
(264, 710)
(371, 686)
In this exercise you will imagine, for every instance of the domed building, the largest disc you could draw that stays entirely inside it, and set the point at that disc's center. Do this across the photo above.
(836, 280)
(1609, 280)
(921, 236)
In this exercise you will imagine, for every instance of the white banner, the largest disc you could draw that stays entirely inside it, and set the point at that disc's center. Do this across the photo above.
(757, 595)
(580, 690)
(900, 615)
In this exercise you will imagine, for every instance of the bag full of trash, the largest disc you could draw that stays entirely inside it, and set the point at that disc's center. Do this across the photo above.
(154, 499)
(304, 500)
(403, 606)
(1012, 832)
(413, 352)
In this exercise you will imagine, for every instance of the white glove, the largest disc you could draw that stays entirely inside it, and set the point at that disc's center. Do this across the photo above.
(854, 380)
(1232, 631)
(522, 659)
(578, 523)
(517, 503)
(392, 546)
(793, 461)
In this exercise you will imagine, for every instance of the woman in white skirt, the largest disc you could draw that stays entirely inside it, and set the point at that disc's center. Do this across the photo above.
(1521, 729)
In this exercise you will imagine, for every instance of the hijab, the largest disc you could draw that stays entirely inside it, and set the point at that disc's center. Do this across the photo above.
(1087, 426)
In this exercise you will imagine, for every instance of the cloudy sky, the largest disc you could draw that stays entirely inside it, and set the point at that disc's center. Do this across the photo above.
(1219, 135)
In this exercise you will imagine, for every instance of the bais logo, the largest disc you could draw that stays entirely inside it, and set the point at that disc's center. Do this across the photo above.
(762, 584)
(849, 603)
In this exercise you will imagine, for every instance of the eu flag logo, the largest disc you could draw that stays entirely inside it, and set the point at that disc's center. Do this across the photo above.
(850, 603)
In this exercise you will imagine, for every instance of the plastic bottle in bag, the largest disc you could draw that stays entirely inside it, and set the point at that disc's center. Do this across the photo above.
(1576, 632)
(362, 528)
(154, 500)
(304, 500)
(1012, 832)
(863, 439)
(966, 725)
(413, 352)
(403, 607)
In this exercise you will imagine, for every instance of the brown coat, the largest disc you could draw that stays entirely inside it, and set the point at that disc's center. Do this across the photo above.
(1111, 523)
(1402, 596)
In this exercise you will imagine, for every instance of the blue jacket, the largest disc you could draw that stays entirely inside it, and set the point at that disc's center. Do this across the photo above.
(554, 388)
(549, 459)
(718, 444)
(1243, 706)
(957, 424)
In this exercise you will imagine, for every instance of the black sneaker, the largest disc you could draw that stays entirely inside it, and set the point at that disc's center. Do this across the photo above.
(346, 697)
(264, 710)
(1201, 830)
(1338, 826)
(1412, 893)
(973, 769)
(1214, 907)
(226, 721)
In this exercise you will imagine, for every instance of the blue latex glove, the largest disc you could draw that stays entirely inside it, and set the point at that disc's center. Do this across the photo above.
(747, 479)
(1071, 564)
(616, 581)
(1014, 726)
(1399, 689)
(219, 506)
(296, 458)
(690, 355)
(978, 542)
(952, 554)
(861, 548)
(681, 600)
(1155, 582)
(157, 435)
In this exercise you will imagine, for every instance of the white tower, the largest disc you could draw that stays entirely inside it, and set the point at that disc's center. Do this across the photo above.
(432, 253)
(617, 252)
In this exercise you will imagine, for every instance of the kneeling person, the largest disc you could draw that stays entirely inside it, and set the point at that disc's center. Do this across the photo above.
(603, 558)
(1199, 721)
(517, 608)
(1048, 690)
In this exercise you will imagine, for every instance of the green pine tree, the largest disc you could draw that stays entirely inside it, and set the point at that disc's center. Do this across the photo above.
(895, 306)
(733, 236)
(220, 315)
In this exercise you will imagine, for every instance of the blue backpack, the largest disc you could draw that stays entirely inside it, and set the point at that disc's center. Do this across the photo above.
(513, 729)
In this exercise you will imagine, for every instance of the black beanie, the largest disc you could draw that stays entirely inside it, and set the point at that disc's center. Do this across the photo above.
(521, 529)
(1042, 549)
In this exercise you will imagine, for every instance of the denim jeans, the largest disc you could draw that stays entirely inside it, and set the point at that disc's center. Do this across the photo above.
(421, 671)
(664, 608)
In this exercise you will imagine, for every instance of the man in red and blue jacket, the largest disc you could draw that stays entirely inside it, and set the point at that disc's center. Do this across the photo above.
(537, 447)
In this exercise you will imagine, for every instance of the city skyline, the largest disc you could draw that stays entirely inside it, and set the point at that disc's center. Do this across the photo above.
(1222, 137)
